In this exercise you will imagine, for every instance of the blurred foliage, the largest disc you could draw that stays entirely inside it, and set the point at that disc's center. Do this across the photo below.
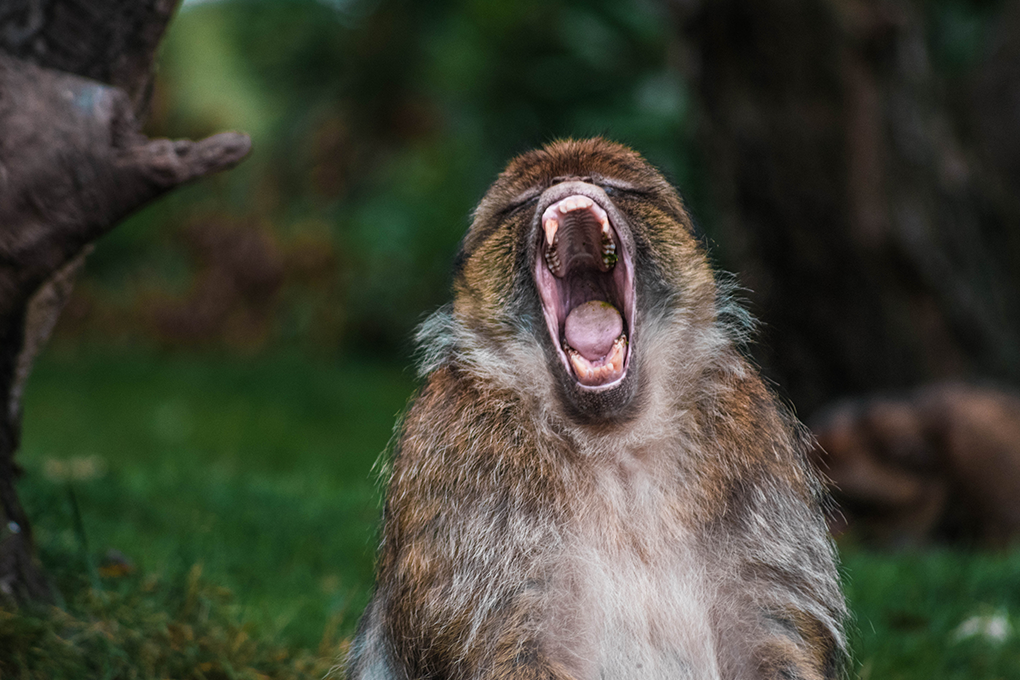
(377, 125)
(958, 33)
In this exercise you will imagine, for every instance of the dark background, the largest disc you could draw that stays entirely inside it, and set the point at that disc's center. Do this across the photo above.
(853, 162)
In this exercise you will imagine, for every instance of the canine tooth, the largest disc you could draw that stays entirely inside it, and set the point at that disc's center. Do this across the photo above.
(580, 366)
(597, 374)
(616, 356)
(551, 226)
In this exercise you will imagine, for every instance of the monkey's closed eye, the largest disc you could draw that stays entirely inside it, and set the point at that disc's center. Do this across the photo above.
(615, 189)
(526, 201)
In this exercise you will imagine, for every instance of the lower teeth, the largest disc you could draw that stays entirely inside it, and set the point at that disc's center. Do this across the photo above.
(588, 373)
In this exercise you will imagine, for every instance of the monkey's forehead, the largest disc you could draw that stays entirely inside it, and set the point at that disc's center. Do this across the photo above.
(579, 158)
(596, 160)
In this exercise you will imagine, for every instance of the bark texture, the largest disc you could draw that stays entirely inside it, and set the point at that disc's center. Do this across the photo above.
(73, 82)
(868, 203)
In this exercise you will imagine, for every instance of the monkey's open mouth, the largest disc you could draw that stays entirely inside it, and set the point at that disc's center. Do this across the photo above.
(586, 285)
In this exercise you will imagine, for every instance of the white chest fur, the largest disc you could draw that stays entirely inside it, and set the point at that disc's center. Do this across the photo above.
(631, 561)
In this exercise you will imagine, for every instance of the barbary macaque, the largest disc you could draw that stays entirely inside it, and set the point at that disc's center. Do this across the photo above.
(593, 482)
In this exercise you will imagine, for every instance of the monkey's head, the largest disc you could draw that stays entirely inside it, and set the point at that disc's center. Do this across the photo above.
(581, 270)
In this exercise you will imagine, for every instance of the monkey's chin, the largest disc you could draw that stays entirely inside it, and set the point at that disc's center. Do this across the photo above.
(599, 405)
(585, 279)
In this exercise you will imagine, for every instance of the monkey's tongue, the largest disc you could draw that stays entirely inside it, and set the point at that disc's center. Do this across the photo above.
(591, 329)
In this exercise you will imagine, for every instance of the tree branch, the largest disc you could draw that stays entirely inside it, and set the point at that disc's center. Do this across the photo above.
(72, 164)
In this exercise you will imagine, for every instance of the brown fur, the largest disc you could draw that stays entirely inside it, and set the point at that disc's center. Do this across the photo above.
(939, 463)
(672, 532)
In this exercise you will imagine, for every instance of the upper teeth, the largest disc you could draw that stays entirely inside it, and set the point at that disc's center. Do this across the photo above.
(574, 203)
(551, 224)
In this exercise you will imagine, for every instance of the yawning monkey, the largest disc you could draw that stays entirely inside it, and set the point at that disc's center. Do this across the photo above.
(593, 482)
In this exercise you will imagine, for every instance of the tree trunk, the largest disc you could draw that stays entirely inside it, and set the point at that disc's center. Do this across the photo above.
(872, 221)
(74, 81)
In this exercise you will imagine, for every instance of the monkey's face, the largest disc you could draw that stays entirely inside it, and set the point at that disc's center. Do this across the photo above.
(582, 259)
(577, 246)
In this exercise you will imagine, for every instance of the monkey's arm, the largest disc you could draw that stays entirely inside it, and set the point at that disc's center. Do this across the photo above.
(775, 624)
(464, 555)
(778, 615)
(780, 612)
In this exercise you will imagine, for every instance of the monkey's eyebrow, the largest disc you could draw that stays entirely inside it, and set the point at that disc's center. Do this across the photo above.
(619, 185)
(521, 200)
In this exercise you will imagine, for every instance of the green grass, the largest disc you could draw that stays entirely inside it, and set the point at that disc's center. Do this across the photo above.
(139, 627)
(911, 611)
(260, 471)
(256, 474)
